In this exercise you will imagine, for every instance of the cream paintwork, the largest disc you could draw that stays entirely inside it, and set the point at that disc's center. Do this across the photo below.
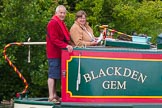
(17, 105)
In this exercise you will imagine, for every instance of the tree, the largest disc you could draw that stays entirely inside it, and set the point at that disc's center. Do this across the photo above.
(21, 20)
(142, 17)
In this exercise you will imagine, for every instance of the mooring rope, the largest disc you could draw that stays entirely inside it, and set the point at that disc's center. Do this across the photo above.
(79, 76)
(13, 66)
(114, 31)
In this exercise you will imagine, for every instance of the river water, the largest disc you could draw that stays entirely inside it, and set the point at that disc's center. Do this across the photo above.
(6, 106)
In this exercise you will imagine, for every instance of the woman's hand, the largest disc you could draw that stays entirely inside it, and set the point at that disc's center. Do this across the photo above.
(94, 43)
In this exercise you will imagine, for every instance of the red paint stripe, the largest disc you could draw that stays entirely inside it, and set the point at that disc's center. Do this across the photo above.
(132, 55)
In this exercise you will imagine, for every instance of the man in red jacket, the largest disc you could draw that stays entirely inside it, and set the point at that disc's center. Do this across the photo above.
(57, 38)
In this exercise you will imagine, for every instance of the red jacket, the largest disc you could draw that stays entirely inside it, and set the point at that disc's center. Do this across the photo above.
(55, 40)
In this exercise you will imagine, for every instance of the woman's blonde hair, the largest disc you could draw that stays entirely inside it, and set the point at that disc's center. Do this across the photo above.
(79, 14)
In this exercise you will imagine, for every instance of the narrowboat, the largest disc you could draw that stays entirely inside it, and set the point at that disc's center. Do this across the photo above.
(116, 74)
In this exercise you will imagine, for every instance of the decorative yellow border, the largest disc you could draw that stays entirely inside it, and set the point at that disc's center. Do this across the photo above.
(91, 57)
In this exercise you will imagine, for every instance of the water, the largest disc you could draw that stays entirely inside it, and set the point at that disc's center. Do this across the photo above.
(6, 106)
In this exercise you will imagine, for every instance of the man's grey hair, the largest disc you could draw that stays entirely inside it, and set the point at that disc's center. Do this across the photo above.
(58, 7)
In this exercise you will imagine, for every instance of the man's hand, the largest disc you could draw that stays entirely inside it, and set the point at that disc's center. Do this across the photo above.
(69, 48)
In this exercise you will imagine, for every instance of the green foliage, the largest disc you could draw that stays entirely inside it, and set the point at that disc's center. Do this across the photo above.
(93, 10)
(21, 20)
(70, 18)
(107, 11)
(96, 8)
(39, 76)
(140, 17)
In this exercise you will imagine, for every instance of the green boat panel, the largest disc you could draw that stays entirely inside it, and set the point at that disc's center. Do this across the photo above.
(41, 101)
(159, 46)
(127, 44)
(34, 101)
(110, 105)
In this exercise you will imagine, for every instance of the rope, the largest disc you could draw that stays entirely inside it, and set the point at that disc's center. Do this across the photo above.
(114, 31)
(79, 76)
(14, 67)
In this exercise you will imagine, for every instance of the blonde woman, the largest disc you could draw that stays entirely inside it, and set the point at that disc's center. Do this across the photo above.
(81, 33)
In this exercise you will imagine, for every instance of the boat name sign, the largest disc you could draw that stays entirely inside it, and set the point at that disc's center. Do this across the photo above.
(115, 71)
